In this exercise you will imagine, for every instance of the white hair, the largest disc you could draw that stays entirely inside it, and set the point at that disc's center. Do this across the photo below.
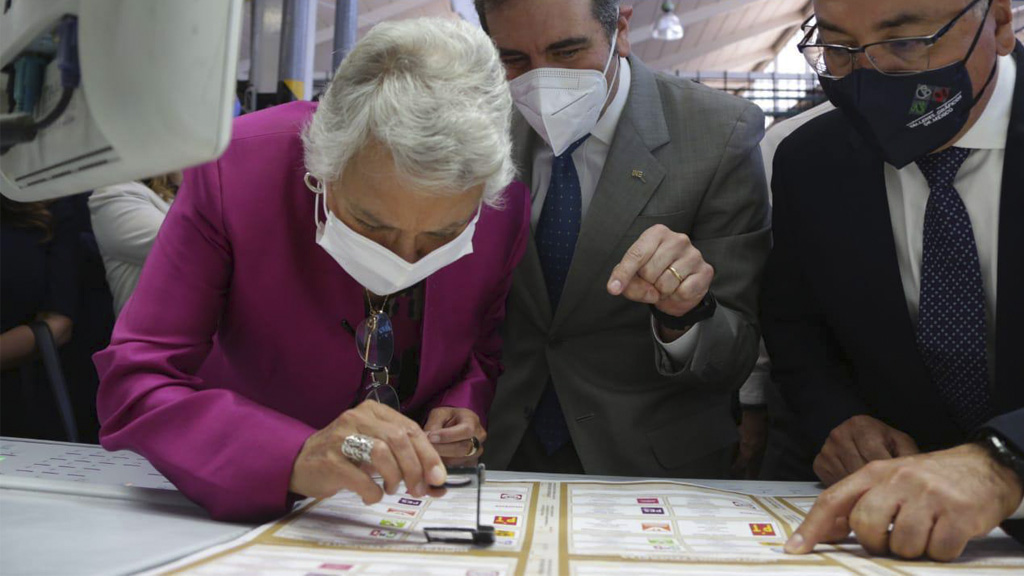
(432, 92)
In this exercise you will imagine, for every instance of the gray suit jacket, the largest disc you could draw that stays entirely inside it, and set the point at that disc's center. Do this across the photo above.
(630, 410)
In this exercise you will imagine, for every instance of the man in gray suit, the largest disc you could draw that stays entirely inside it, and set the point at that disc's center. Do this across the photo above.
(631, 320)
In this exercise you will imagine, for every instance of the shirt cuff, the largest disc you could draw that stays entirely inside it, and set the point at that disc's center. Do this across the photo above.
(681, 349)
(752, 391)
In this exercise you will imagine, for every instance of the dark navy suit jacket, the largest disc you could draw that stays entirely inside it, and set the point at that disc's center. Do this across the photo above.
(833, 310)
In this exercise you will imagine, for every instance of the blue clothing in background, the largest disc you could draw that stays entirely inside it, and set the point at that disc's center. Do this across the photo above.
(37, 276)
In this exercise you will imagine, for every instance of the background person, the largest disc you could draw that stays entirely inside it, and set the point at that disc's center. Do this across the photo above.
(125, 219)
(39, 283)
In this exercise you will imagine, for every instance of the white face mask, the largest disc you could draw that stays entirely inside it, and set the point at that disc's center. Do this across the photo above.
(561, 104)
(378, 269)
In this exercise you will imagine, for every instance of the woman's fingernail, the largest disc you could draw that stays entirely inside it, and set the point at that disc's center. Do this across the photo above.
(438, 475)
(435, 438)
(795, 544)
(421, 489)
(615, 286)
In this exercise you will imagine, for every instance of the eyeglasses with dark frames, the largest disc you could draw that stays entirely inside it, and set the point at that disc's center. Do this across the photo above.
(894, 57)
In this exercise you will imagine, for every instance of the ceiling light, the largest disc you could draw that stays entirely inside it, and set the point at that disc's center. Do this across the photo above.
(668, 27)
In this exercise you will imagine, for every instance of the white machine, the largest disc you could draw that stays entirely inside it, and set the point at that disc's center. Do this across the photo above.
(156, 91)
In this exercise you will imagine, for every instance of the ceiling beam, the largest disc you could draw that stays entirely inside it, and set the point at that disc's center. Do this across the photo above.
(376, 16)
(778, 23)
(741, 61)
(688, 17)
(389, 10)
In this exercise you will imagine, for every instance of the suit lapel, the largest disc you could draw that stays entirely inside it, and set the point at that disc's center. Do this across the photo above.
(528, 284)
(871, 238)
(1009, 392)
(620, 196)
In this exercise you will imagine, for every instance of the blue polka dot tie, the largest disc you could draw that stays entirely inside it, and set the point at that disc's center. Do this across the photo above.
(557, 230)
(951, 325)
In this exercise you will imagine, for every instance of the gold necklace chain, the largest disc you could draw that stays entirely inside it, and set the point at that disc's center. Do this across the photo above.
(369, 303)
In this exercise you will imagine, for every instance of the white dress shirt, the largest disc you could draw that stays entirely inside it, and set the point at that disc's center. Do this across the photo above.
(781, 130)
(979, 183)
(752, 393)
(589, 160)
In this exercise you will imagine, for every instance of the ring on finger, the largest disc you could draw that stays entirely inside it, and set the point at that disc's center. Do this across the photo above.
(358, 448)
(474, 446)
(676, 274)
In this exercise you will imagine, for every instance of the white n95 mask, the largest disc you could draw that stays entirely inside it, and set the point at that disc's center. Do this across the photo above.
(378, 269)
(561, 104)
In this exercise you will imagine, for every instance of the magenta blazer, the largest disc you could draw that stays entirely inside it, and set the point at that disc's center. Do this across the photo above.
(231, 351)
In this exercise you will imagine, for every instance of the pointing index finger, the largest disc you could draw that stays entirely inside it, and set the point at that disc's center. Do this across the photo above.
(832, 506)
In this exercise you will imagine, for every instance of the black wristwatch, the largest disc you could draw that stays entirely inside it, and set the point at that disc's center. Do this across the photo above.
(703, 311)
(1002, 452)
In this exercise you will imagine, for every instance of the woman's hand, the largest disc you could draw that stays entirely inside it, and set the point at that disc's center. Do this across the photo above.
(451, 431)
(401, 451)
(60, 326)
(18, 345)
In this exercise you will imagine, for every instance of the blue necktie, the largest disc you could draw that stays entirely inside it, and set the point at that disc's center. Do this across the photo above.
(951, 325)
(557, 230)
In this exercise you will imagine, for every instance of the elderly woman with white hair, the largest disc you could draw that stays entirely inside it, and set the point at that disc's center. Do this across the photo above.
(324, 301)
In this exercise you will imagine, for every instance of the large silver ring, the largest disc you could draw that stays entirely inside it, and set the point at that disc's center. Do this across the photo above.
(358, 448)
(474, 448)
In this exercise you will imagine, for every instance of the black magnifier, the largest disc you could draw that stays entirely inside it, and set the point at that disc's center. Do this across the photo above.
(481, 535)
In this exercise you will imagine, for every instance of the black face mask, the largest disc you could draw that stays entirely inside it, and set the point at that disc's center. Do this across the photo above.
(907, 117)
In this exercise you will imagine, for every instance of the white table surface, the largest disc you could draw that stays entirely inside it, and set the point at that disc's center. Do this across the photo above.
(66, 509)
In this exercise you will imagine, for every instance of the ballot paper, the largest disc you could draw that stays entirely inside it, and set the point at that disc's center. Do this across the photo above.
(567, 528)
(397, 522)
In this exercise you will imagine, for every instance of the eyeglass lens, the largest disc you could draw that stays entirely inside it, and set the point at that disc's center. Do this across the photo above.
(384, 393)
(375, 341)
(902, 57)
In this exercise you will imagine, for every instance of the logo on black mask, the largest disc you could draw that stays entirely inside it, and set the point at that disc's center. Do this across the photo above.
(926, 95)
(933, 101)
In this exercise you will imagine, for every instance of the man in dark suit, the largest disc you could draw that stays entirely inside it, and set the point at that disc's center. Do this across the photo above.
(889, 328)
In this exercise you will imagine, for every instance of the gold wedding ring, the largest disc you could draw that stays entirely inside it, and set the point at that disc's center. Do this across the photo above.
(676, 274)
(474, 448)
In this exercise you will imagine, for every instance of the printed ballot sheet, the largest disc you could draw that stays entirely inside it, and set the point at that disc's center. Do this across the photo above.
(341, 535)
(570, 528)
(397, 522)
(662, 527)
